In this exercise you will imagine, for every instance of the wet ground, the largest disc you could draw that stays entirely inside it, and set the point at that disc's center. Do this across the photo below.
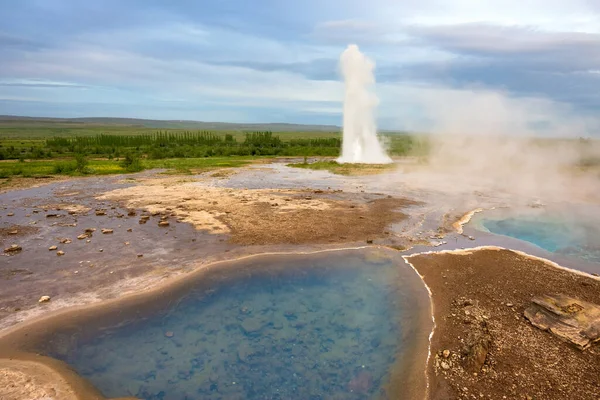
(138, 255)
(133, 256)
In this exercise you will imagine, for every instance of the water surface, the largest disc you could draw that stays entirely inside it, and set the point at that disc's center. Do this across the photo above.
(333, 325)
(568, 232)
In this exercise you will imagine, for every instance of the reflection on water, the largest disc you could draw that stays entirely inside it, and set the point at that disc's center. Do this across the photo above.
(326, 327)
(570, 234)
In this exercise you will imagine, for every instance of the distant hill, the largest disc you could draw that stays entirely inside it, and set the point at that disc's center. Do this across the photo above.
(170, 124)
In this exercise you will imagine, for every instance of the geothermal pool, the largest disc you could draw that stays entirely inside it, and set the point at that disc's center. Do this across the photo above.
(347, 325)
(566, 233)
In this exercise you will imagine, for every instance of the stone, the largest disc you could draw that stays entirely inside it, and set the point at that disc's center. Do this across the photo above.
(90, 230)
(163, 223)
(509, 304)
(83, 236)
(252, 325)
(140, 255)
(446, 353)
(169, 334)
(572, 320)
(445, 366)
(13, 232)
(13, 249)
(369, 241)
(52, 215)
(44, 299)
(65, 241)
(100, 213)
(52, 248)
(477, 351)
(107, 231)
(131, 213)
(10, 214)
(60, 253)
(129, 230)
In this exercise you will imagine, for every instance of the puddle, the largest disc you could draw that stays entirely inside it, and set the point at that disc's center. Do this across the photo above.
(564, 231)
(347, 324)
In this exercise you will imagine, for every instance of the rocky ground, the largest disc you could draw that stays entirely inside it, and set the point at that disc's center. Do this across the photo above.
(483, 346)
(86, 240)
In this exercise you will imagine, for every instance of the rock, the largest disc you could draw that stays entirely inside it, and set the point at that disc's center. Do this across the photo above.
(571, 320)
(107, 231)
(83, 236)
(361, 383)
(52, 248)
(140, 255)
(164, 217)
(129, 230)
(65, 241)
(252, 326)
(126, 243)
(60, 253)
(44, 299)
(477, 351)
(100, 212)
(369, 241)
(13, 249)
(131, 213)
(10, 214)
(169, 334)
(446, 353)
(244, 352)
(163, 223)
(445, 366)
(90, 230)
(509, 304)
(13, 232)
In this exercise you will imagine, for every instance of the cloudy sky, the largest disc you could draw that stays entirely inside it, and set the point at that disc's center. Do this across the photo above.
(517, 66)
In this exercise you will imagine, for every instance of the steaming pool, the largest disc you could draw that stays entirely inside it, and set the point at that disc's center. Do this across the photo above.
(563, 232)
(350, 324)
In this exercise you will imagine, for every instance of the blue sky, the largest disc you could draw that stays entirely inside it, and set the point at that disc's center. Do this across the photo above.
(525, 66)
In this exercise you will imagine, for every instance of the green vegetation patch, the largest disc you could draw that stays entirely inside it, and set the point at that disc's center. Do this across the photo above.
(346, 169)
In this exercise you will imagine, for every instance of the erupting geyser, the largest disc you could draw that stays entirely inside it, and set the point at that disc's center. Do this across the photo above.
(359, 142)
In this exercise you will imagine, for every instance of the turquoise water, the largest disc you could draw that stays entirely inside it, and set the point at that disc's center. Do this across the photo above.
(318, 328)
(570, 235)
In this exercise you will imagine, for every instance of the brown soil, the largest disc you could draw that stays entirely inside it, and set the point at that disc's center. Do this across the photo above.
(7, 233)
(479, 294)
(18, 182)
(266, 216)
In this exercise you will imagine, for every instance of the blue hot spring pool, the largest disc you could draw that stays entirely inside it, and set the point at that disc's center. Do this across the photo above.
(340, 325)
(573, 234)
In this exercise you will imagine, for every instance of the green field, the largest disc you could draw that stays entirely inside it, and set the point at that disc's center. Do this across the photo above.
(34, 147)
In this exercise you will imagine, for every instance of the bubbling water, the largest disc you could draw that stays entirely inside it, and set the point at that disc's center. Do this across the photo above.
(360, 143)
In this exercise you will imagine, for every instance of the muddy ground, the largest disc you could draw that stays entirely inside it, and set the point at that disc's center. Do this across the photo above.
(484, 293)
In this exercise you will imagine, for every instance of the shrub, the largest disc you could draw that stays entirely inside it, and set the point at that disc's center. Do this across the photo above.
(132, 163)
(81, 163)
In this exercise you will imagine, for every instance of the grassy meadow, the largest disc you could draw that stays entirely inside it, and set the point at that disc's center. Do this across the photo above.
(32, 148)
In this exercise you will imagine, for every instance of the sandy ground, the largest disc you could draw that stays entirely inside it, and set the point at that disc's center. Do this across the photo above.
(482, 294)
(20, 380)
(267, 216)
